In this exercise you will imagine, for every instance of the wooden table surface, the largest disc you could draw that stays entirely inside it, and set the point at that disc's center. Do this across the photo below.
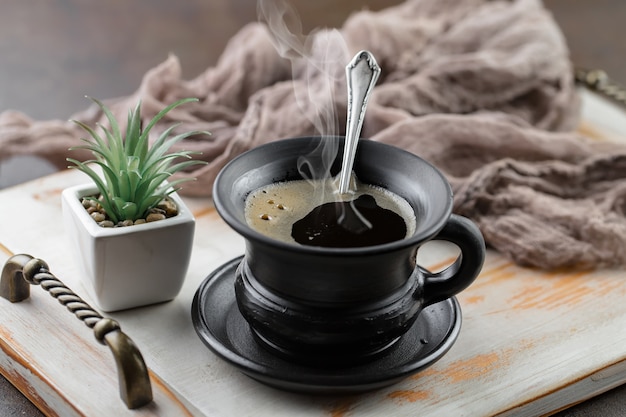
(56, 51)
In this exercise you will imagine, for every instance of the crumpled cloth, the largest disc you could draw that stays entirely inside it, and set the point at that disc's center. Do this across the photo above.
(482, 89)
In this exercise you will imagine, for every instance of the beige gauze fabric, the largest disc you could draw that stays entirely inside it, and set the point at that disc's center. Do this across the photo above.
(482, 89)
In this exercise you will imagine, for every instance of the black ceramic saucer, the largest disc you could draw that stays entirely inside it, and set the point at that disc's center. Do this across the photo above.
(221, 327)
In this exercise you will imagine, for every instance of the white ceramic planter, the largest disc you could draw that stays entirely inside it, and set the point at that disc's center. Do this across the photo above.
(129, 266)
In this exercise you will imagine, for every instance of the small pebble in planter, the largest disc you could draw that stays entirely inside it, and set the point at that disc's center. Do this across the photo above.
(164, 210)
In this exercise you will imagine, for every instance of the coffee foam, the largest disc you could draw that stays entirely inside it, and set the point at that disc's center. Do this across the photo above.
(273, 209)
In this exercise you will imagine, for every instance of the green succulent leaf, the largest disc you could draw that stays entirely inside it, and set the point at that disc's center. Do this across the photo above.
(125, 209)
(171, 187)
(133, 132)
(112, 120)
(150, 202)
(161, 114)
(134, 174)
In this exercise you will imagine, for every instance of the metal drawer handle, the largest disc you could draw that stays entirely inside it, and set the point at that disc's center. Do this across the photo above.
(599, 81)
(20, 271)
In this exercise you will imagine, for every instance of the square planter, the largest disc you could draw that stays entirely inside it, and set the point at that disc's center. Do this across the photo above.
(132, 266)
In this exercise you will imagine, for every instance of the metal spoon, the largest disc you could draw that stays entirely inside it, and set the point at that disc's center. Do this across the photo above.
(361, 74)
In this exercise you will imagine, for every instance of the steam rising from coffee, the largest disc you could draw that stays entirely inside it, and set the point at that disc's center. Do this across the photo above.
(318, 62)
(319, 59)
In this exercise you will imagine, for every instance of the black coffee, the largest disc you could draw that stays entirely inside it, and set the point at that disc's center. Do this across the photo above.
(347, 224)
(273, 210)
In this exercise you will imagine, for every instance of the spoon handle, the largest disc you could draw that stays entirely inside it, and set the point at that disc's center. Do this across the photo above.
(361, 74)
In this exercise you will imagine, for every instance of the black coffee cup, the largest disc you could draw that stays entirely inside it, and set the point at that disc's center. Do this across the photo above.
(324, 305)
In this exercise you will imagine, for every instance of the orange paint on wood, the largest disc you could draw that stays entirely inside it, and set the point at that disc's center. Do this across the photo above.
(608, 286)
(475, 367)
(5, 250)
(472, 299)
(493, 275)
(527, 296)
(557, 290)
(410, 396)
(48, 194)
(589, 131)
(343, 407)
(207, 211)
(456, 372)
(467, 369)
(442, 264)
(571, 297)
(21, 383)
(29, 392)
(497, 269)
(158, 383)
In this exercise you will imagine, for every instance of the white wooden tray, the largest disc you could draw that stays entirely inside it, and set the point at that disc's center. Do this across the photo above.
(531, 342)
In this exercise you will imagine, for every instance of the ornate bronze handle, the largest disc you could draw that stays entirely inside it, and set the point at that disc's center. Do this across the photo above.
(22, 270)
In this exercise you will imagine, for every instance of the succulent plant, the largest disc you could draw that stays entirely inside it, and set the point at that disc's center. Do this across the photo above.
(134, 173)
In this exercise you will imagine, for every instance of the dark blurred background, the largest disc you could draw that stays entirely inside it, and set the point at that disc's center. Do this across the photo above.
(54, 52)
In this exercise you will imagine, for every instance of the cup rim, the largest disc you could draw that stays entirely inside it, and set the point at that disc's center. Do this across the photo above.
(251, 234)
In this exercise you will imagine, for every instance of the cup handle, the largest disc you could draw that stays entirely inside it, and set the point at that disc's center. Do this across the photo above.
(455, 278)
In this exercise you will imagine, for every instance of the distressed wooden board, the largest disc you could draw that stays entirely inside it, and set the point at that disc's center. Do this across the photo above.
(531, 342)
